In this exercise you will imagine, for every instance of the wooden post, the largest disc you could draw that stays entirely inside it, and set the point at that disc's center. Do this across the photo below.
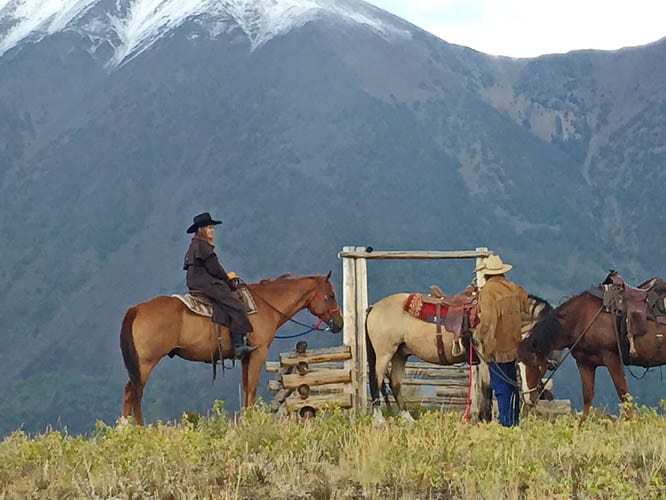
(480, 280)
(361, 352)
(349, 315)
(479, 372)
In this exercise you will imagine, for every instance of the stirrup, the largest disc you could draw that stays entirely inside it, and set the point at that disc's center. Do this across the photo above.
(241, 351)
(457, 349)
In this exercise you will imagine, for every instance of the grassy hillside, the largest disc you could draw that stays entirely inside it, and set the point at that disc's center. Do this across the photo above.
(335, 456)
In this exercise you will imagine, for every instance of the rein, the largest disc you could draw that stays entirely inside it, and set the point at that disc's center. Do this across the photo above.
(499, 373)
(310, 328)
(580, 337)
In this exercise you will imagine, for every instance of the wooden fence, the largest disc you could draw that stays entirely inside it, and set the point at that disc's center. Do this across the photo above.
(309, 380)
(429, 384)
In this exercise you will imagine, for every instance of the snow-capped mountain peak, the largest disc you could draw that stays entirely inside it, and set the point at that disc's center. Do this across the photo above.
(132, 26)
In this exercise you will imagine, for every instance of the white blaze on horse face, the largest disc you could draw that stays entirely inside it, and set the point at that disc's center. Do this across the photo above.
(527, 392)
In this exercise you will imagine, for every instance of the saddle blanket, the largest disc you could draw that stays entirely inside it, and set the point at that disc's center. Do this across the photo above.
(204, 306)
(415, 306)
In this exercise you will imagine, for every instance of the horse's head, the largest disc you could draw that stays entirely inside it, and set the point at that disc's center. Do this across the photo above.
(323, 305)
(536, 353)
(532, 367)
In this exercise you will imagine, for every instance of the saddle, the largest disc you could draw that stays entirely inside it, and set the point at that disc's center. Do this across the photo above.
(627, 301)
(199, 303)
(458, 314)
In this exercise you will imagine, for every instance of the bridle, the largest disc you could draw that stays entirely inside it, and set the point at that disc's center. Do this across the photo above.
(327, 298)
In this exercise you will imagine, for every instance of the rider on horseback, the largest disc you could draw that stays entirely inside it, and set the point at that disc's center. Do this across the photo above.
(206, 275)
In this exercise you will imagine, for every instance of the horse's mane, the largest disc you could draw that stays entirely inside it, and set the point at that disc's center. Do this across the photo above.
(278, 278)
(285, 277)
(546, 331)
(546, 305)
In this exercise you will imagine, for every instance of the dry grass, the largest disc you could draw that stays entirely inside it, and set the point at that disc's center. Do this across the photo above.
(335, 456)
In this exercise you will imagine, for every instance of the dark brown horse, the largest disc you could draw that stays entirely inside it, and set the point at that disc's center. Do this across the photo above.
(582, 325)
(164, 325)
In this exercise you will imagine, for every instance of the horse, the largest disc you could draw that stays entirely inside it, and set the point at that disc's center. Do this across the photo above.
(590, 332)
(164, 326)
(393, 334)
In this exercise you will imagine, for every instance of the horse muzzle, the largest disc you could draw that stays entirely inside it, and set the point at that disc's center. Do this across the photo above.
(336, 323)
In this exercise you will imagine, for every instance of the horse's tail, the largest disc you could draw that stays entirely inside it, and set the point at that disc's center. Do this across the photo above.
(372, 361)
(128, 349)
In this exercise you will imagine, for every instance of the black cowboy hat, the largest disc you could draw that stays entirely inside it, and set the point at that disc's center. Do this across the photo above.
(202, 220)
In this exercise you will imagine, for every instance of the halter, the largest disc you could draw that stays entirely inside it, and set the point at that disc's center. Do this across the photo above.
(325, 297)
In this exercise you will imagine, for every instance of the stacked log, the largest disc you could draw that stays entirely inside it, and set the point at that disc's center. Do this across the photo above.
(447, 386)
(436, 385)
(308, 380)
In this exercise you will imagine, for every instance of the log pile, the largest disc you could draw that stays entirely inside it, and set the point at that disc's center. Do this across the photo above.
(431, 384)
(308, 380)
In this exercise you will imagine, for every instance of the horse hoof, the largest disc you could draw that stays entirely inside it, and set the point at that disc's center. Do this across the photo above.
(407, 418)
(378, 420)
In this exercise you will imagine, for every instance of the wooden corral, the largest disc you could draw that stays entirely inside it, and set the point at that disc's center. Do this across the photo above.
(308, 380)
(355, 305)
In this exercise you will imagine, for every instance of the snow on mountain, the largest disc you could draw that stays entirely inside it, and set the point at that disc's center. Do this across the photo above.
(132, 26)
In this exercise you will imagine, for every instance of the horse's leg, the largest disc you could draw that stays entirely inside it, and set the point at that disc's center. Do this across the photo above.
(255, 364)
(128, 399)
(145, 370)
(398, 362)
(587, 382)
(381, 363)
(616, 371)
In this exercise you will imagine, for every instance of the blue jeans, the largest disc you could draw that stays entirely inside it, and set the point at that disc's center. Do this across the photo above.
(508, 395)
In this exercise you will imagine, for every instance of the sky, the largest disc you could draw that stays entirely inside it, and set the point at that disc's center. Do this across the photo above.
(528, 28)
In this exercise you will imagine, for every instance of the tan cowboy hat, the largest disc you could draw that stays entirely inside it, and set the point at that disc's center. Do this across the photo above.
(232, 275)
(493, 265)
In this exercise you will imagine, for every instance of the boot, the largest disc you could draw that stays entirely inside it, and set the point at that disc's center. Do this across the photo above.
(241, 346)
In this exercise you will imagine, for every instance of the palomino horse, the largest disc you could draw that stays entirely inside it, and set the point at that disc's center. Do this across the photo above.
(582, 325)
(393, 334)
(164, 325)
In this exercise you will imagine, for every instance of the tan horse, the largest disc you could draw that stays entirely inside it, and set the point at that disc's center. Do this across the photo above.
(393, 335)
(164, 325)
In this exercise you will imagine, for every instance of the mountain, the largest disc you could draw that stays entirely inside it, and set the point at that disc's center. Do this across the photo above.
(305, 126)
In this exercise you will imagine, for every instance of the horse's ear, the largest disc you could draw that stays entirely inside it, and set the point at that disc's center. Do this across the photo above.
(329, 275)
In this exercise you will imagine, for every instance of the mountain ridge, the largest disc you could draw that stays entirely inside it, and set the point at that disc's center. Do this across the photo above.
(133, 26)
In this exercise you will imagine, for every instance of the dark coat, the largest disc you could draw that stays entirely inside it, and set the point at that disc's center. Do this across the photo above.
(206, 275)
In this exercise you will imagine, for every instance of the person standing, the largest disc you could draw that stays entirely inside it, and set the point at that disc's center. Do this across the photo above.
(501, 303)
(206, 275)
